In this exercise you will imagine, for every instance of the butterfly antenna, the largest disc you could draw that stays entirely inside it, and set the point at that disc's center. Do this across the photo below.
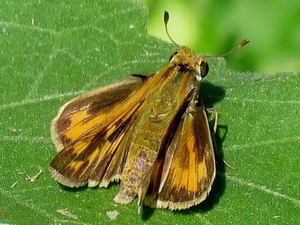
(234, 49)
(166, 19)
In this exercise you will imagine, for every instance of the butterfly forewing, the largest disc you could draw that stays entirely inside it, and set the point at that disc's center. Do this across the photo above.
(87, 134)
(184, 176)
(79, 115)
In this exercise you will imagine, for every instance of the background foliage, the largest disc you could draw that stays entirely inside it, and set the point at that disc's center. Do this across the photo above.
(214, 26)
(53, 51)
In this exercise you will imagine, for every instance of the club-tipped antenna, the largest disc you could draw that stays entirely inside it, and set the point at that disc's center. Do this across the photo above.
(234, 49)
(166, 19)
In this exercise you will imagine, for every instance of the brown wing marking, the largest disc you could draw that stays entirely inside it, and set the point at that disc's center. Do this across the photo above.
(79, 115)
(184, 176)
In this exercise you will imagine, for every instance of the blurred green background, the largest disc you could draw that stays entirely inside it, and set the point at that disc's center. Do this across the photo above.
(214, 26)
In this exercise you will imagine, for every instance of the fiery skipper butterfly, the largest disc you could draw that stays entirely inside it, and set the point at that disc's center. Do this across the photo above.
(150, 133)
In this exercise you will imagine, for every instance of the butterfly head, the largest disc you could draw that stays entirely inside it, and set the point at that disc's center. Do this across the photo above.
(188, 61)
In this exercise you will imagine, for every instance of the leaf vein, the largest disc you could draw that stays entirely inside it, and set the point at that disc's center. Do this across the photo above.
(264, 189)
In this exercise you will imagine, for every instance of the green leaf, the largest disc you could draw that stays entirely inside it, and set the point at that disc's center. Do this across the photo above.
(53, 51)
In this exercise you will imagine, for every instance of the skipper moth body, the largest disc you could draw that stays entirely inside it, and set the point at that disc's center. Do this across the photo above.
(149, 133)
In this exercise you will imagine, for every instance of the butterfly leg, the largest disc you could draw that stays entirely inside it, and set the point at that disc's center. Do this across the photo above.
(216, 113)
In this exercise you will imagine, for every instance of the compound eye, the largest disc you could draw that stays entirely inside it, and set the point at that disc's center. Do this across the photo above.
(204, 68)
(172, 56)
